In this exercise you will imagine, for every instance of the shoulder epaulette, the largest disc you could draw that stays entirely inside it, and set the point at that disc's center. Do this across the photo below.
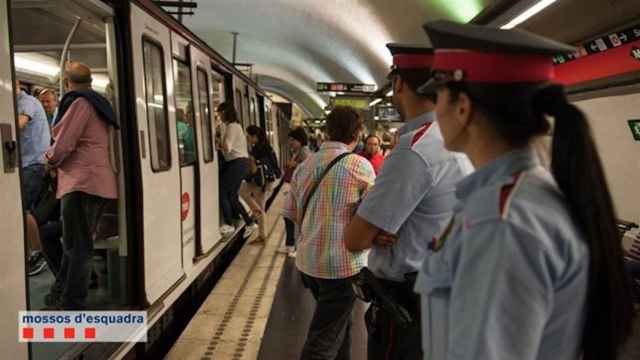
(506, 194)
(420, 133)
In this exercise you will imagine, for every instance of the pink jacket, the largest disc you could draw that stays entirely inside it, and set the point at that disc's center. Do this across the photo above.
(81, 153)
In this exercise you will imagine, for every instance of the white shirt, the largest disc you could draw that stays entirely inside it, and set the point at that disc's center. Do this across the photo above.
(235, 141)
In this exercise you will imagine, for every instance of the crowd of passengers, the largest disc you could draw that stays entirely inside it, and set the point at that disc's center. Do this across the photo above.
(465, 245)
(67, 181)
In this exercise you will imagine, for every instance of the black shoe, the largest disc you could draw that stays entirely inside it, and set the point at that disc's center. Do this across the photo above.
(93, 283)
(37, 264)
(52, 299)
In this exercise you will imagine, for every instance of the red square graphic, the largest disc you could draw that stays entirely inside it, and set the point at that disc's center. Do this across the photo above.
(69, 333)
(90, 333)
(27, 333)
(49, 333)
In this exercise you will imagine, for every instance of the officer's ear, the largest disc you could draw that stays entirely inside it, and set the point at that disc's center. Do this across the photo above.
(464, 109)
(398, 84)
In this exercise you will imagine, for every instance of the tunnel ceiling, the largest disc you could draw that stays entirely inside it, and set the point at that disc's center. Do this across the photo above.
(295, 43)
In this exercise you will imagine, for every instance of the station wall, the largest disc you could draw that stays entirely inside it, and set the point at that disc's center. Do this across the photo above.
(620, 153)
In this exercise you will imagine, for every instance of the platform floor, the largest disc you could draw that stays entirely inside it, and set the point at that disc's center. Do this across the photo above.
(261, 310)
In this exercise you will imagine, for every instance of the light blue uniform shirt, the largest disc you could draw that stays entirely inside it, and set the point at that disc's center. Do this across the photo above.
(416, 123)
(35, 138)
(507, 278)
(413, 197)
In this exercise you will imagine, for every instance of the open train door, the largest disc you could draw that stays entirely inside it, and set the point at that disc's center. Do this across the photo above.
(12, 260)
(159, 159)
(208, 182)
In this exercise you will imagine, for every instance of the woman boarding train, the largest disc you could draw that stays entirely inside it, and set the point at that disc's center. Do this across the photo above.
(530, 266)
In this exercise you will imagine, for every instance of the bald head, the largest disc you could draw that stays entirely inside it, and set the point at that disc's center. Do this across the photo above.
(78, 76)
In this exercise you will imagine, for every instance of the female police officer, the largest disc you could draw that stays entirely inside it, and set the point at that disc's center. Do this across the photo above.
(530, 266)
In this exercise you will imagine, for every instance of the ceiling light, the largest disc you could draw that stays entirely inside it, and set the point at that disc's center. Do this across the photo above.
(525, 15)
(33, 66)
(375, 102)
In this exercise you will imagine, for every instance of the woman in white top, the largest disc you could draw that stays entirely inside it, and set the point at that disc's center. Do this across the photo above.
(234, 149)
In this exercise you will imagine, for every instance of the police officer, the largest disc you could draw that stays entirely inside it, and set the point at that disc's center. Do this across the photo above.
(530, 266)
(411, 201)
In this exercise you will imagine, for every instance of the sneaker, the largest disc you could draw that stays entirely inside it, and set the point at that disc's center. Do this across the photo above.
(292, 254)
(227, 230)
(250, 229)
(37, 264)
(286, 250)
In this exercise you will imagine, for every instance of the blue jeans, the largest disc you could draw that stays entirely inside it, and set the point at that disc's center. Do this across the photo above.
(32, 176)
(235, 171)
(80, 215)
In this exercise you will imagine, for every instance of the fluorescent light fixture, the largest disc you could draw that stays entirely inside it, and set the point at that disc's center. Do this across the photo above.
(375, 102)
(525, 15)
(376, 118)
(390, 93)
(393, 130)
(28, 65)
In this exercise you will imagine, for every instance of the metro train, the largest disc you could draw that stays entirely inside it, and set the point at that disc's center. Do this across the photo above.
(161, 79)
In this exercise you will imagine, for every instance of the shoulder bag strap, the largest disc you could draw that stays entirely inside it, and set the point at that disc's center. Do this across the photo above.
(315, 185)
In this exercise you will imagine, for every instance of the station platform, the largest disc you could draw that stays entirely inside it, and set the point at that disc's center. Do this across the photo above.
(259, 309)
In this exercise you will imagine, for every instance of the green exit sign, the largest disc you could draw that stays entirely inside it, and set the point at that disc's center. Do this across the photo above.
(634, 125)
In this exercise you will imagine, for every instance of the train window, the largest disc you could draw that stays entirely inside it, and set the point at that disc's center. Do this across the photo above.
(154, 80)
(240, 106)
(205, 115)
(217, 97)
(185, 122)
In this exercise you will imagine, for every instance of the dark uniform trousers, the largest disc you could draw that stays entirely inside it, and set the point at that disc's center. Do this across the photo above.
(387, 340)
(329, 335)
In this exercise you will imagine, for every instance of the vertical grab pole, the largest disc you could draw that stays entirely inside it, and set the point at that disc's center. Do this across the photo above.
(65, 51)
(235, 45)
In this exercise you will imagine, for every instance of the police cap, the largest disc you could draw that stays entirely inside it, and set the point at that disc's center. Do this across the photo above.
(481, 54)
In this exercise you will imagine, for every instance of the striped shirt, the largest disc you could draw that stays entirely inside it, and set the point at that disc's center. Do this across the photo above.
(321, 251)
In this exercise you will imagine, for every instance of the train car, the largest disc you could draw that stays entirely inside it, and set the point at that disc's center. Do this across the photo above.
(159, 245)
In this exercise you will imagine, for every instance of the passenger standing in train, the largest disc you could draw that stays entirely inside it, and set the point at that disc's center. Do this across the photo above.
(35, 138)
(234, 149)
(86, 180)
(325, 191)
(298, 142)
(412, 199)
(373, 152)
(49, 101)
(530, 265)
(258, 186)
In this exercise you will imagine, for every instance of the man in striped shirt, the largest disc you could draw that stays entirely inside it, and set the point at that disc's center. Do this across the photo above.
(325, 263)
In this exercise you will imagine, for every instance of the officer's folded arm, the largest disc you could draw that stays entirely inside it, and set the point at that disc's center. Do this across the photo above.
(361, 235)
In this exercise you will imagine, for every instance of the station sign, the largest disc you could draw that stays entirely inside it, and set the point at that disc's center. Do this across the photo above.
(634, 125)
(356, 103)
(602, 44)
(345, 87)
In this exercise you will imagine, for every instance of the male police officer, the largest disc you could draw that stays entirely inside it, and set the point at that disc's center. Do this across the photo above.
(412, 199)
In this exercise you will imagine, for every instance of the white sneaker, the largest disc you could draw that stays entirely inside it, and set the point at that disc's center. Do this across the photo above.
(227, 230)
(250, 229)
(292, 254)
(286, 249)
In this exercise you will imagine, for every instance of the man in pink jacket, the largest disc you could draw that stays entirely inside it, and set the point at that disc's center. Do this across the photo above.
(86, 181)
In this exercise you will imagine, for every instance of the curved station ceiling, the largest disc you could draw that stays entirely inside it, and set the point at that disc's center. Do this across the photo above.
(293, 44)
